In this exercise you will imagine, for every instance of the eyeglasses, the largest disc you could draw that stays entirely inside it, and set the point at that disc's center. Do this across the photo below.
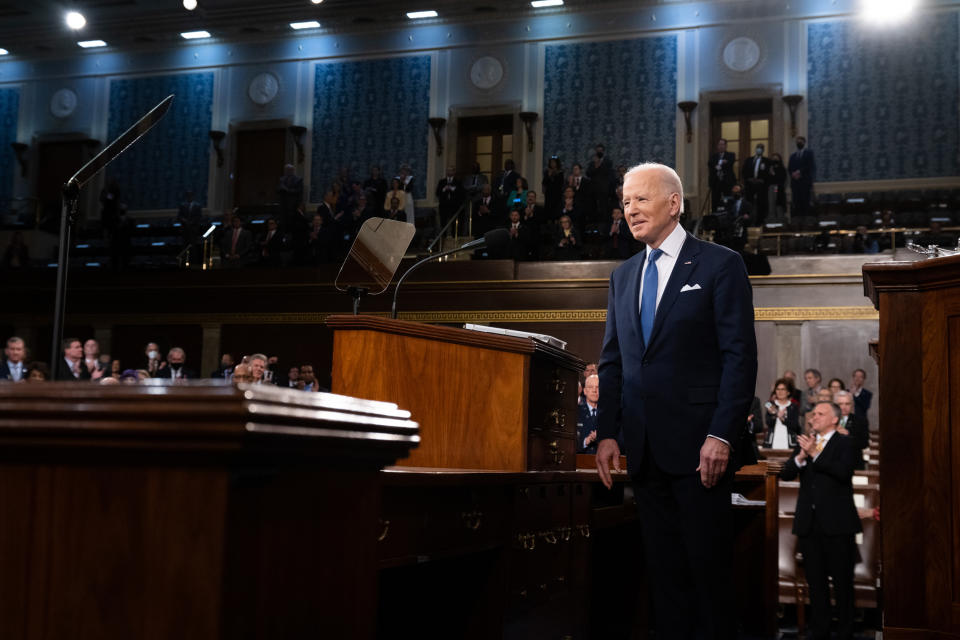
(781, 389)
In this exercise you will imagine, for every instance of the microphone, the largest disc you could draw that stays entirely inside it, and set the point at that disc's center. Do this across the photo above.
(496, 240)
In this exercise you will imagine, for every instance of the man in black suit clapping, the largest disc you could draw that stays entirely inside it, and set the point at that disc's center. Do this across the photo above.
(826, 520)
(721, 173)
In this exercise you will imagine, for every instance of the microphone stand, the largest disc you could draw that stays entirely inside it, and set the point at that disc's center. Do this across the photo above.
(393, 307)
(68, 216)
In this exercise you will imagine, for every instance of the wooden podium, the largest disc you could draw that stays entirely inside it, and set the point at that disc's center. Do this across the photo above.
(483, 401)
(194, 511)
(919, 362)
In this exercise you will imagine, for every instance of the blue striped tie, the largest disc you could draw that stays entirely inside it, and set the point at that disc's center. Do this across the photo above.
(648, 304)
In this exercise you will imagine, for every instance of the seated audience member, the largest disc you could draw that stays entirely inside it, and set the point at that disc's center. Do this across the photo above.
(782, 419)
(587, 416)
(91, 359)
(293, 378)
(522, 237)
(517, 198)
(396, 192)
(826, 519)
(72, 367)
(130, 376)
(813, 380)
(12, 367)
(569, 208)
(861, 397)
(175, 366)
(37, 372)
(226, 366)
(258, 366)
(242, 374)
(271, 244)
(308, 381)
(589, 370)
(852, 425)
(395, 212)
(566, 245)
(486, 211)
(237, 244)
(153, 360)
(836, 384)
(619, 241)
(17, 253)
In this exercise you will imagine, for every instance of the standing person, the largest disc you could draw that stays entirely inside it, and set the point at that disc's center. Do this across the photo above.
(553, 186)
(376, 188)
(826, 520)
(721, 174)
(12, 367)
(861, 397)
(73, 368)
(783, 418)
(600, 172)
(803, 169)
(754, 173)
(450, 195)
(777, 179)
(678, 369)
(407, 183)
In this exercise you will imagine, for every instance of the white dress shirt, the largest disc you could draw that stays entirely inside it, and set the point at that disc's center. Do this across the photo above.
(670, 247)
(16, 370)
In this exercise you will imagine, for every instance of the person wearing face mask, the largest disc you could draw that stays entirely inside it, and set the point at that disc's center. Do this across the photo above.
(175, 366)
(777, 179)
(154, 362)
(802, 170)
(754, 171)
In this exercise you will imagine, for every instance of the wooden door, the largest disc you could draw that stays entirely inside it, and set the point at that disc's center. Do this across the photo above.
(260, 156)
(487, 140)
(744, 124)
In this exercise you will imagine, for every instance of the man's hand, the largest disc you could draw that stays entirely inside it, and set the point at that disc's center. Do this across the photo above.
(808, 444)
(608, 451)
(843, 431)
(714, 455)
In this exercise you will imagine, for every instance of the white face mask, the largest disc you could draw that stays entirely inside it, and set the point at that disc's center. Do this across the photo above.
(759, 152)
(153, 355)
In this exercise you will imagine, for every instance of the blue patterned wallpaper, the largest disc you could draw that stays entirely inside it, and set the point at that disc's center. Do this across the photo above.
(621, 93)
(9, 107)
(883, 103)
(174, 156)
(370, 112)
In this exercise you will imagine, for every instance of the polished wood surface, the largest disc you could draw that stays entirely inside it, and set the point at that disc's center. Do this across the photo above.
(190, 511)
(919, 307)
(483, 401)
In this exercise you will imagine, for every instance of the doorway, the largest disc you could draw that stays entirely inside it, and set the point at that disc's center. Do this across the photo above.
(260, 156)
(57, 160)
(486, 140)
(744, 124)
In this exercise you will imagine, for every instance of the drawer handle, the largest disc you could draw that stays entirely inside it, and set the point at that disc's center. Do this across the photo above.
(556, 419)
(472, 519)
(549, 537)
(555, 452)
(583, 530)
(386, 529)
(527, 541)
(565, 533)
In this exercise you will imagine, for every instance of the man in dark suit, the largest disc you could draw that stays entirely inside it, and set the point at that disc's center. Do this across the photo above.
(587, 416)
(861, 397)
(12, 366)
(71, 368)
(175, 366)
(507, 180)
(450, 195)
(619, 241)
(677, 372)
(722, 178)
(271, 245)
(236, 244)
(852, 425)
(487, 212)
(754, 173)
(584, 200)
(826, 520)
(802, 168)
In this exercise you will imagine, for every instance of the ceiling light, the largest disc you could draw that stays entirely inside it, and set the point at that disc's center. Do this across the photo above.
(887, 10)
(3, 52)
(416, 15)
(539, 4)
(189, 5)
(194, 35)
(316, 1)
(90, 44)
(75, 20)
(310, 24)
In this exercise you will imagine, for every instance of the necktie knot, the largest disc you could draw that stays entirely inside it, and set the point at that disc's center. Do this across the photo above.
(654, 255)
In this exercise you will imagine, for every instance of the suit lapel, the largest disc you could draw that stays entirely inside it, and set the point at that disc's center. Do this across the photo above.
(633, 285)
(684, 267)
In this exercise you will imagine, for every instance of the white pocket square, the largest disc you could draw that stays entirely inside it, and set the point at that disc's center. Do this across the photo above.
(687, 287)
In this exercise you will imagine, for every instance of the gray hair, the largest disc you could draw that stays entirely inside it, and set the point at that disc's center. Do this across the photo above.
(13, 339)
(176, 350)
(669, 178)
(258, 356)
(840, 394)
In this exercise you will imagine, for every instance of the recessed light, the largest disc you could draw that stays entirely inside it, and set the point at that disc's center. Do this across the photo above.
(416, 15)
(194, 35)
(91, 44)
(3, 52)
(75, 20)
(309, 24)
(316, 1)
(189, 5)
(539, 4)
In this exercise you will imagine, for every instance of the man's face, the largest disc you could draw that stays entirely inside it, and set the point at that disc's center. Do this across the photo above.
(175, 357)
(824, 395)
(590, 370)
(514, 216)
(721, 145)
(294, 374)
(823, 420)
(568, 193)
(531, 198)
(256, 368)
(735, 191)
(812, 380)
(74, 351)
(858, 378)
(450, 172)
(272, 225)
(485, 189)
(226, 360)
(650, 212)
(591, 389)
(14, 351)
(235, 222)
(306, 373)
(242, 373)
(845, 402)
(91, 348)
(576, 171)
